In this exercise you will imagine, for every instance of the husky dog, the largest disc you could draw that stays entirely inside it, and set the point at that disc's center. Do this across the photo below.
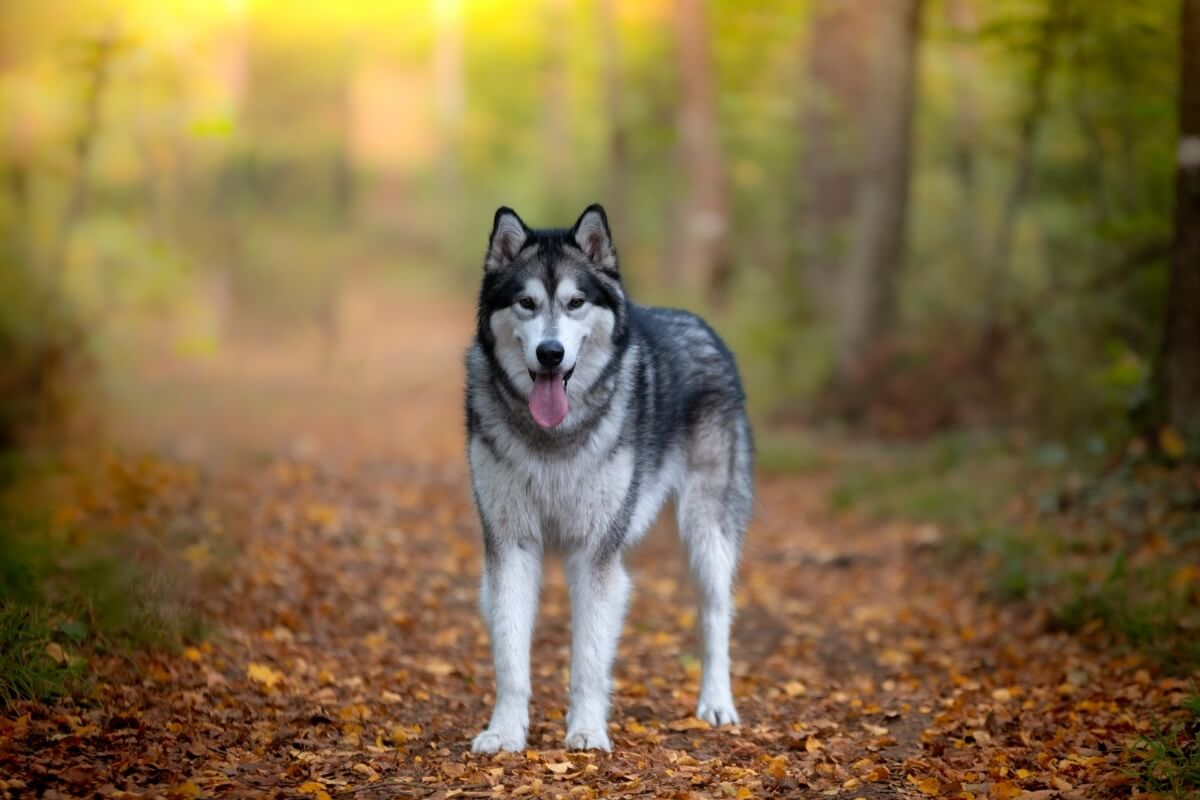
(585, 413)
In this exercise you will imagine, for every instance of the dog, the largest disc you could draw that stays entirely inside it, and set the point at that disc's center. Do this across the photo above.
(585, 413)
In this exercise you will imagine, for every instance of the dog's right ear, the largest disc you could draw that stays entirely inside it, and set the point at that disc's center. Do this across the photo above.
(509, 235)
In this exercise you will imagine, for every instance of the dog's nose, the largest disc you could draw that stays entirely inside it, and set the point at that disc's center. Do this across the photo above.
(550, 353)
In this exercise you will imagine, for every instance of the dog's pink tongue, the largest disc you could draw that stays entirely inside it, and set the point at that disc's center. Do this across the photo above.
(548, 403)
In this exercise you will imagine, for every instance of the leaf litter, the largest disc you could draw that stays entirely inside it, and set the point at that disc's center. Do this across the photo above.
(348, 659)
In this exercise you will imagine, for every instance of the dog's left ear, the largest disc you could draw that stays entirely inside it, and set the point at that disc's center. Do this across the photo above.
(592, 235)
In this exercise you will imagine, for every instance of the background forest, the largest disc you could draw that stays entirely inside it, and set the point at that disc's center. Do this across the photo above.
(878, 197)
(955, 245)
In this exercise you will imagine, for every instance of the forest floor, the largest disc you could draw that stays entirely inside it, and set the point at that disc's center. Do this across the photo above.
(326, 536)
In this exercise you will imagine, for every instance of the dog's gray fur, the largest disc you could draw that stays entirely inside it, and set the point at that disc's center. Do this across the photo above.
(655, 409)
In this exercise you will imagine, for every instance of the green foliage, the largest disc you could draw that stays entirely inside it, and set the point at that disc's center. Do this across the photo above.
(66, 595)
(1106, 554)
(1169, 759)
(26, 670)
(243, 161)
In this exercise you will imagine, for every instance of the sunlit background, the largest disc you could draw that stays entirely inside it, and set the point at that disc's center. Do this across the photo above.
(191, 182)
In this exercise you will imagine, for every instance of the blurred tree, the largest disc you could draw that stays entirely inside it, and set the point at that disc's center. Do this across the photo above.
(449, 86)
(618, 135)
(1051, 30)
(701, 258)
(556, 136)
(1179, 371)
(963, 19)
(868, 307)
(834, 114)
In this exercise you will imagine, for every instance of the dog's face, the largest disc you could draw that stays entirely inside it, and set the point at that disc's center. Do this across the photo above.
(550, 307)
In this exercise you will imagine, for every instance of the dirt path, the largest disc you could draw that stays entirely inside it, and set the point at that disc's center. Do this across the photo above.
(348, 657)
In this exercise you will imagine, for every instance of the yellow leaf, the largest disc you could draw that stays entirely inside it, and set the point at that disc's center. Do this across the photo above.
(56, 652)
(560, 767)
(794, 688)
(813, 744)
(689, 724)
(777, 767)
(315, 789)
(186, 789)
(198, 555)
(1172, 443)
(1004, 790)
(1184, 576)
(877, 773)
(264, 674)
(928, 785)
(742, 793)
(192, 654)
(438, 667)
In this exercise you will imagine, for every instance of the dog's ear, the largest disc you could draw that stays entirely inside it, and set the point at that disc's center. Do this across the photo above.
(592, 235)
(509, 235)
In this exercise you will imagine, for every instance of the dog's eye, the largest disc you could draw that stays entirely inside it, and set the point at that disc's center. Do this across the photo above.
(527, 303)
(575, 303)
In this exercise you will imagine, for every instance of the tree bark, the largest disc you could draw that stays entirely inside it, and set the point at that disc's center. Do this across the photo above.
(702, 258)
(868, 306)
(834, 121)
(1179, 368)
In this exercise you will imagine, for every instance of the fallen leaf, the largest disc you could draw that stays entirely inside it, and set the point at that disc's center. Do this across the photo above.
(264, 674)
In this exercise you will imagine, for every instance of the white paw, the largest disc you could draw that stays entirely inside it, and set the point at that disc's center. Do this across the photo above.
(588, 740)
(717, 712)
(491, 741)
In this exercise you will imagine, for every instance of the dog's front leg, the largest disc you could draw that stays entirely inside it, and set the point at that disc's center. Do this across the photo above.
(599, 593)
(511, 579)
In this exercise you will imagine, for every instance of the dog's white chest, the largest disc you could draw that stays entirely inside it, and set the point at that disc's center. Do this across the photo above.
(581, 497)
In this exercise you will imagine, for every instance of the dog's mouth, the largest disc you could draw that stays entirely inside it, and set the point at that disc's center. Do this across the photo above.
(548, 400)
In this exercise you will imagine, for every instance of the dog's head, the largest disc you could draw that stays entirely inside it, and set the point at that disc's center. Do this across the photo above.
(551, 309)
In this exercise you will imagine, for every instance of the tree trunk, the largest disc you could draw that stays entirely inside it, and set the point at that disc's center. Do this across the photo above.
(1056, 18)
(834, 121)
(618, 136)
(964, 22)
(868, 307)
(1179, 369)
(702, 258)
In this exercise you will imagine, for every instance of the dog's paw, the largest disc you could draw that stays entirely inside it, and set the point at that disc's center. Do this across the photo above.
(717, 713)
(588, 740)
(491, 741)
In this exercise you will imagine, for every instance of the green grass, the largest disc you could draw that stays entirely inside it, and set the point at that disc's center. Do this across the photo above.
(66, 596)
(958, 481)
(789, 453)
(1139, 604)
(1169, 759)
(27, 672)
(1099, 548)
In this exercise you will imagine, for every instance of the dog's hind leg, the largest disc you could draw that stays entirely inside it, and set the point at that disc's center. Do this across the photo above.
(713, 509)
(511, 579)
(599, 595)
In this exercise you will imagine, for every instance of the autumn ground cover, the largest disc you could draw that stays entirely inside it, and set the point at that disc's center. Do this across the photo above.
(318, 523)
